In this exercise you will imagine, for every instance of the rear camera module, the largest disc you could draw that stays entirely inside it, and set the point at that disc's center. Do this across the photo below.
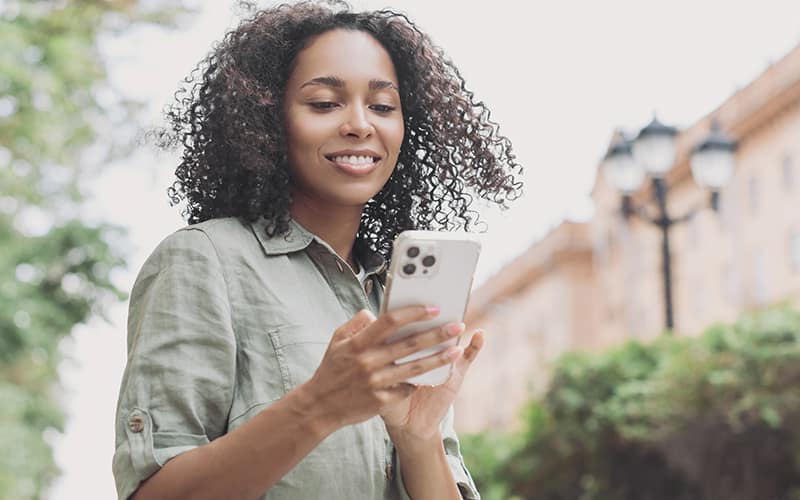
(409, 269)
(413, 252)
(428, 261)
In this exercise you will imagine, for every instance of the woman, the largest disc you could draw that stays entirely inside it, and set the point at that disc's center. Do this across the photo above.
(311, 137)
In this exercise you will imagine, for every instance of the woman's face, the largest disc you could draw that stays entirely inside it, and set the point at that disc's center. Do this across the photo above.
(344, 125)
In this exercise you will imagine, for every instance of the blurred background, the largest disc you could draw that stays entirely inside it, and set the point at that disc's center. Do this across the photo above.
(591, 386)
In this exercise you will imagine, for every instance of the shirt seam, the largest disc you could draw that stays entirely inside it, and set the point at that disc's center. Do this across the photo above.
(227, 293)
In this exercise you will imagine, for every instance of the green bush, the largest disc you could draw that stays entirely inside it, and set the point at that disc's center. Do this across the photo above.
(711, 417)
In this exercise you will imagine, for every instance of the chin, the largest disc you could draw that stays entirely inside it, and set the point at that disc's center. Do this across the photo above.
(354, 194)
(356, 201)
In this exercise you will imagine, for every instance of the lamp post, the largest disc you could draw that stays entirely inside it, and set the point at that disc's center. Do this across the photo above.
(628, 163)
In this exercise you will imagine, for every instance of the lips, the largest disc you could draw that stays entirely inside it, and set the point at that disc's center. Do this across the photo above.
(354, 162)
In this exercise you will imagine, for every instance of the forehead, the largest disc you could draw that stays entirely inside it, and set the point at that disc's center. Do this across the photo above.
(350, 55)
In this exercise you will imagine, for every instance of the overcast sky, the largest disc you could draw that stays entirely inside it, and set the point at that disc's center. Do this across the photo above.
(558, 76)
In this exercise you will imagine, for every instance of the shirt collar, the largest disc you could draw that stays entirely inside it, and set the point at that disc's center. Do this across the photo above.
(299, 238)
(296, 239)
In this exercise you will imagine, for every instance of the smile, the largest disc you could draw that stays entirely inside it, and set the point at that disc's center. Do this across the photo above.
(354, 164)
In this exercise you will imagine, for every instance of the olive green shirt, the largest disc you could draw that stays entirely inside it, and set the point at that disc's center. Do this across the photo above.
(223, 322)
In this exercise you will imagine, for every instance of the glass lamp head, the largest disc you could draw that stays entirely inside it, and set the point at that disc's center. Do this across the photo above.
(712, 161)
(654, 148)
(620, 170)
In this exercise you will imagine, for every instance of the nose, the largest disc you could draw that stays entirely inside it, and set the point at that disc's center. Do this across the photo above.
(357, 123)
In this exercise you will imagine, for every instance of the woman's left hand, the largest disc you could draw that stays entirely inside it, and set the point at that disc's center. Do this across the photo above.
(417, 417)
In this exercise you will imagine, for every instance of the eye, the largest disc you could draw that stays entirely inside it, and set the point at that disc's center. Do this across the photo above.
(323, 105)
(382, 108)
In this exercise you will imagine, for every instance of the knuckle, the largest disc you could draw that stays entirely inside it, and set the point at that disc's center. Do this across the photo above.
(374, 381)
(417, 367)
(411, 342)
(392, 319)
(444, 333)
(363, 365)
(353, 344)
(383, 398)
(364, 316)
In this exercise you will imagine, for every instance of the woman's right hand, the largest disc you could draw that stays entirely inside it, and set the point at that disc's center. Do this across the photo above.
(358, 376)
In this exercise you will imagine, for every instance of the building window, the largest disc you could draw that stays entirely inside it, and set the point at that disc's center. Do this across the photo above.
(787, 171)
(753, 194)
(794, 250)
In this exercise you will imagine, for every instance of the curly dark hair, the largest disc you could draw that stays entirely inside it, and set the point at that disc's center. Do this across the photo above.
(228, 119)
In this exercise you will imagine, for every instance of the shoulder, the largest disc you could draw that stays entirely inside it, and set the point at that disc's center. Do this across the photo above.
(207, 237)
(221, 230)
(205, 242)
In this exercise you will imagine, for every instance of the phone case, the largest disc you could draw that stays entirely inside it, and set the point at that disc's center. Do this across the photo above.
(445, 283)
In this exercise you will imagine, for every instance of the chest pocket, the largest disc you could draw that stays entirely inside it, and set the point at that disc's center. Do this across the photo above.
(298, 352)
(282, 358)
(272, 361)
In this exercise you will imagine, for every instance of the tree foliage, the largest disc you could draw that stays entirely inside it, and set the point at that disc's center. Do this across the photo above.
(716, 416)
(54, 269)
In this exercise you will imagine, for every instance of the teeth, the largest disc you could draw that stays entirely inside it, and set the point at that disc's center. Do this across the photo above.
(354, 160)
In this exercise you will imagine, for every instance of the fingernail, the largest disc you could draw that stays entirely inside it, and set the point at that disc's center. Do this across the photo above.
(454, 329)
(432, 310)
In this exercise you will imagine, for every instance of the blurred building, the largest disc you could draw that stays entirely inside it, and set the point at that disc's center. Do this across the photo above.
(590, 285)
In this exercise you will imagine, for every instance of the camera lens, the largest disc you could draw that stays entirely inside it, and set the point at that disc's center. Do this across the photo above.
(409, 269)
(413, 252)
(429, 260)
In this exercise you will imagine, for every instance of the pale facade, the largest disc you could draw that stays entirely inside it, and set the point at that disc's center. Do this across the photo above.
(591, 285)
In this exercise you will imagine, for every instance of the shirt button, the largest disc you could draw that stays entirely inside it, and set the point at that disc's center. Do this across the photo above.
(368, 286)
(136, 424)
(389, 471)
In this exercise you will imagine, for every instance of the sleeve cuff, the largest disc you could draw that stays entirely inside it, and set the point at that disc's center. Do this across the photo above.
(144, 452)
(466, 486)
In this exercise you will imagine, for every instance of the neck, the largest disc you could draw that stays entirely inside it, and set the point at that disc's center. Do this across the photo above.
(336, 225)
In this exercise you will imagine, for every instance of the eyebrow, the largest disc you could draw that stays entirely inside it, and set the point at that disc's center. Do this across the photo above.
(336, 82)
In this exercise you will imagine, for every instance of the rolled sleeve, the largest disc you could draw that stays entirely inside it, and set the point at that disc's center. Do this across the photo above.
(452, 450)
(177, 388)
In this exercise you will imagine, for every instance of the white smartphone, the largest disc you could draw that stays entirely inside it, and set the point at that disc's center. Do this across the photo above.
(431, 268)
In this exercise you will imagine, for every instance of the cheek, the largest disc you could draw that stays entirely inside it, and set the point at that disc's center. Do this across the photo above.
(303, 137)
(395, 135)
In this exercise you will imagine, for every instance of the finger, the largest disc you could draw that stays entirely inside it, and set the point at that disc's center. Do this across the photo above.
(471, 351)
(461, 366)
(388, 323)
(396, 373)
(474, 347)
(355, 324)
(386, 353)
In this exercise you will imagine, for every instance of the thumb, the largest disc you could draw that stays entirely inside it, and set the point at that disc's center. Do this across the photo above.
(471, 352)
(358, 322)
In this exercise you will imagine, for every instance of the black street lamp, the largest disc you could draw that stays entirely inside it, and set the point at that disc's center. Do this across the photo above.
(627, 164)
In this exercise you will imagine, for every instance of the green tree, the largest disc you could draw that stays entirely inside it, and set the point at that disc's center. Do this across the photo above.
(686, 418)
(54, 268)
